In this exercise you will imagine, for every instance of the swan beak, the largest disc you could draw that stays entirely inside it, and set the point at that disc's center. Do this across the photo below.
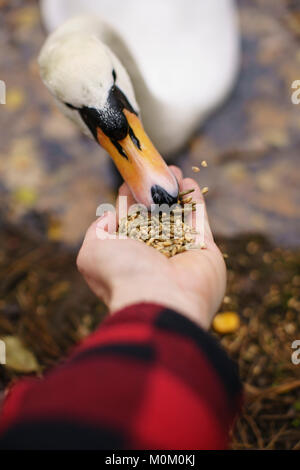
(141, 166)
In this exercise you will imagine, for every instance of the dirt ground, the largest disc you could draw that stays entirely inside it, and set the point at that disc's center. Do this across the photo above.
(49, 193)
(46, 305)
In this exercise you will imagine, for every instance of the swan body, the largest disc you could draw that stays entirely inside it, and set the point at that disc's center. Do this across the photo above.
(171, 70)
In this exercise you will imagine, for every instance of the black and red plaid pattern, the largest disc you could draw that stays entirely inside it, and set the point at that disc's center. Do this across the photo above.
(148, 378)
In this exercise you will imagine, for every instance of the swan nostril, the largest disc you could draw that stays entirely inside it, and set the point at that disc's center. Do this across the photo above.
(161, 196)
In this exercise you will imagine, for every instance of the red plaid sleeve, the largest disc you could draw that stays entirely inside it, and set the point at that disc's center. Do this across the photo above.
(148, 378)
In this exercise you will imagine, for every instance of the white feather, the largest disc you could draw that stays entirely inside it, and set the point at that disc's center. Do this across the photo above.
(182, 58)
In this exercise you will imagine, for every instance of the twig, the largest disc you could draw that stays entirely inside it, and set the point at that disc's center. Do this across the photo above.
(255, 392)
(276, 437)
(255, 430)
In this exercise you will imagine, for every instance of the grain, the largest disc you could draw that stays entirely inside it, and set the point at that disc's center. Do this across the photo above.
(195, 169)
(167, 233)
(184, 193)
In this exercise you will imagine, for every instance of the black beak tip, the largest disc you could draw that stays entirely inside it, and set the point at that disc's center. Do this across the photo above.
(161, 196)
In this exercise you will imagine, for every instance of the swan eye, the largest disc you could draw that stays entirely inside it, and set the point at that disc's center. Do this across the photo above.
(114, 75)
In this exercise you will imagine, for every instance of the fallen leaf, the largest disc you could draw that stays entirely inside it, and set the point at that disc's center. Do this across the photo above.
(226, 322)
(26, 17)
(59, 290)
(17, 357)
(25, 196)
(15, 99)
(54, 230)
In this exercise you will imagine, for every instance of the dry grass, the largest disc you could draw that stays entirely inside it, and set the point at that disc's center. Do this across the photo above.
(264, 287)
(45, 303)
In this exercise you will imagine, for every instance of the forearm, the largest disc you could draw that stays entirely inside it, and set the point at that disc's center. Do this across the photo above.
(160, 292)
(148, 378)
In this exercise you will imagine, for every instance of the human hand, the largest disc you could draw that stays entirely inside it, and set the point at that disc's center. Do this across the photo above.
(125, 271)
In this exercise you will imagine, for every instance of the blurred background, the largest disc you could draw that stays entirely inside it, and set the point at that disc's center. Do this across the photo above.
(52, 180)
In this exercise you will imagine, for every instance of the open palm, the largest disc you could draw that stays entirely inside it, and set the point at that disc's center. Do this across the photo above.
(122, 272)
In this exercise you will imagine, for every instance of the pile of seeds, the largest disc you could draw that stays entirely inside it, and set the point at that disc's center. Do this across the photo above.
(167, 232)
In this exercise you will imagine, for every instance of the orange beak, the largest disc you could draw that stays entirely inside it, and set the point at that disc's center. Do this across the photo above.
(141, 166)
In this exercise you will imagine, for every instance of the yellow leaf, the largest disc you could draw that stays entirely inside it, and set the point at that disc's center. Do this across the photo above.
(25, 196)
(17, 357)
(226, 322)
(15, 98)
(26, 17)
(54, 230)
(59, 290)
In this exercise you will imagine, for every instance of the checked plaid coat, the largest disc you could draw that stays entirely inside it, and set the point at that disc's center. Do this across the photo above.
(148, 378)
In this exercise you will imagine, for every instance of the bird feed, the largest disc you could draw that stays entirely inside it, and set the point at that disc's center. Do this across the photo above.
(167, 232)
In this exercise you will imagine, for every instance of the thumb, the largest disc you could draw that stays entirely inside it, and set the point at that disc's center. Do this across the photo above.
(100, 230)
(105, 227)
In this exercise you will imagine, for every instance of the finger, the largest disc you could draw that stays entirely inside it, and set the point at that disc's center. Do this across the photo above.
(125, 191)
(100, 230)
(125, 199)
(178, 174)
(190, 183)
(107, 225)
(199, 219)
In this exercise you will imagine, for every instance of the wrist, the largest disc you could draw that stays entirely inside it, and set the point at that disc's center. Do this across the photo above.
(159, 292)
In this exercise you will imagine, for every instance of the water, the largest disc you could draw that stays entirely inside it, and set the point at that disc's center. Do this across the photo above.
(52, 179)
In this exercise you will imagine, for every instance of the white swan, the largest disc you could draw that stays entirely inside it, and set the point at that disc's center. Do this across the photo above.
(95, 79)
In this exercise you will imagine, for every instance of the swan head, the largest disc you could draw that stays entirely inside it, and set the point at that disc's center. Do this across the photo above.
(91, 87)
